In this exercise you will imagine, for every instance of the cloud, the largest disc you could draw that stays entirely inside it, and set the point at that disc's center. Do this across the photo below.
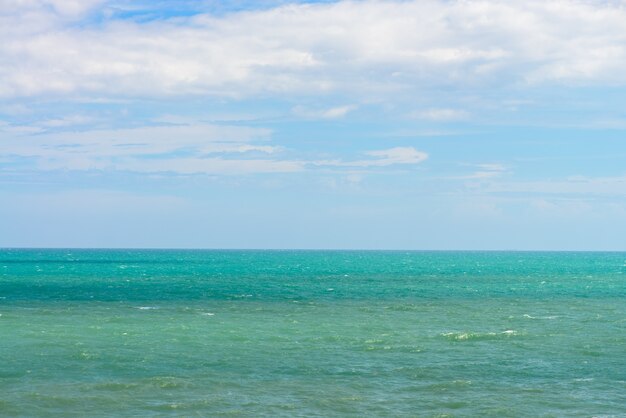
(485, 171)
(72, 8)
(441, 115)
(588, 187)
(330, 113)
(216, 166)
(181, 148)
(382, 158)
(359, 47)
(70, 120)
(492, 167)
(397, 155)
(150, 140)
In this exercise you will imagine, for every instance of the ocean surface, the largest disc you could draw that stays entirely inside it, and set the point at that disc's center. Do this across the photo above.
(87, 333)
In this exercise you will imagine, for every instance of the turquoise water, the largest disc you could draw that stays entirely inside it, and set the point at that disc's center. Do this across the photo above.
(311, 333)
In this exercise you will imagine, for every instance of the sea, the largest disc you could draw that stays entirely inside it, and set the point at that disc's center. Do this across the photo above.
(203, 333)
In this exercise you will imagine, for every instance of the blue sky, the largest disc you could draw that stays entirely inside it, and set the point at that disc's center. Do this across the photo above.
(300, 124)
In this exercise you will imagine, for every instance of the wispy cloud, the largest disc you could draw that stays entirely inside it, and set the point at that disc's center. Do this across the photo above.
(329, 113)
(585, 186)
(382, 158)
(181, 149)
(214, 166)
(484, 171)
(441, 115)
(150, 140)
(66, 121)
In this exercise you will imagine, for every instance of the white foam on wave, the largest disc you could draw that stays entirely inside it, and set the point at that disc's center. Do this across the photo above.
(145, 308)
(463, 336)
(459, 336)
(540, 317)
(207, 313)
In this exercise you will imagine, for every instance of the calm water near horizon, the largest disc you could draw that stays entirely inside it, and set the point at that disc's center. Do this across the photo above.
(311, 333)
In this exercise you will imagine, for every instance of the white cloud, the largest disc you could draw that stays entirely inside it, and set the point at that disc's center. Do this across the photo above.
(182, 148)
(330, 113)
(218, 166)
(491, 166)
(441, 115)
(485, 171)
(398, 155)
(151, 140)
(482, 175)
(72, 8)
(375, 46)
(382, 158)
(579, 185)
(65, 121)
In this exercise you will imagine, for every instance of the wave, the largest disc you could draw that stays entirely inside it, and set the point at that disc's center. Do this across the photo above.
(540, 317)
(472, 336)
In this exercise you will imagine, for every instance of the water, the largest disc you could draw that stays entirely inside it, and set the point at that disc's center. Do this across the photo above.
(311, 333)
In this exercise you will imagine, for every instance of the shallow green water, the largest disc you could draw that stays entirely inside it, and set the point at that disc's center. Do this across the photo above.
(297, 333)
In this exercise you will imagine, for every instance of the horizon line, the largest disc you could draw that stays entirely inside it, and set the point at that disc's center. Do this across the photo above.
(2, 248)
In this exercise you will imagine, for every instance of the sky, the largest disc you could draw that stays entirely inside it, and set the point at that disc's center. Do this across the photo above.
(418, 125)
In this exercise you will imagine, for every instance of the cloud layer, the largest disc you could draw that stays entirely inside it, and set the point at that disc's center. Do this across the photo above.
(180, 149)
(52, 48)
